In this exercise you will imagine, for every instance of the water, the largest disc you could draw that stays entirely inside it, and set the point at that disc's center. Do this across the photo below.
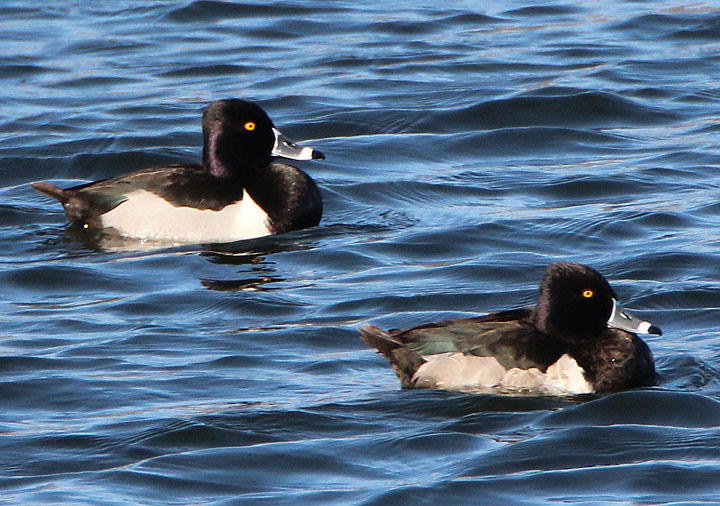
(467, 145)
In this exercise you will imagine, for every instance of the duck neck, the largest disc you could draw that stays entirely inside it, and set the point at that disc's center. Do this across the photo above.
(576, 339)
(227, 159)
(563, 324)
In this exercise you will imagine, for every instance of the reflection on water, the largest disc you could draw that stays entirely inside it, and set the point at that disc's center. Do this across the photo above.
(231, 285)
(469, 146)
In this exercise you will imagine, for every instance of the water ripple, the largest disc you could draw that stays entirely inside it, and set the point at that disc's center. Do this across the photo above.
(467, 147)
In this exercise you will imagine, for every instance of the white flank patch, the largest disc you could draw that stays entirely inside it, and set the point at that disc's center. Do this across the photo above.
(145, 215)
(566, 376)
(455, 371)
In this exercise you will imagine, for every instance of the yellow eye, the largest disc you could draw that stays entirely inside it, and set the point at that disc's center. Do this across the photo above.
(588, 293)
(249, 126)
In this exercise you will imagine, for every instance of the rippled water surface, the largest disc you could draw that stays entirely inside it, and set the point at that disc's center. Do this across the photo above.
(467, 146)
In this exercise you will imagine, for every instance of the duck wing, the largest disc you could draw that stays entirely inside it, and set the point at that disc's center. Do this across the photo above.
(181, 185)
(510, 337)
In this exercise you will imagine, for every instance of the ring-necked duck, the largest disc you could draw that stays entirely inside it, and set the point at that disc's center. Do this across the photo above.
(576, 340)
(238, 192)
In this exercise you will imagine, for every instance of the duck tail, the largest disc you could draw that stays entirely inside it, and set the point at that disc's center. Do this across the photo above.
(52, 190)
(404, 362)
(379, 339)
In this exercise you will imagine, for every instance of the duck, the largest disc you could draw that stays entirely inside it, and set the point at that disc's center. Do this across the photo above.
(239, 191)
(576, 340)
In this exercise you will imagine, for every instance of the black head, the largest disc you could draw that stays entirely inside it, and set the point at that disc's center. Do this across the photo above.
(575, 302)
(237, 134)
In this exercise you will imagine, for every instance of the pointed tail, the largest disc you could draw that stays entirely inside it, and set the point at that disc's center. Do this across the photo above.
(379, 339)
(404, 362)
(52, 190)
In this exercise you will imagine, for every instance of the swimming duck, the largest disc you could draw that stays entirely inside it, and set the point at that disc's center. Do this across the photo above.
(238, 192)
(576, 340)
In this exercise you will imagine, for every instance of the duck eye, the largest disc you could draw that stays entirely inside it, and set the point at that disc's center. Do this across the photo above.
(588, 293)
(249, 126)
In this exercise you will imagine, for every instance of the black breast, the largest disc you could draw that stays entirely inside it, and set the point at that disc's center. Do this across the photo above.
(288, 195)
(617, 361)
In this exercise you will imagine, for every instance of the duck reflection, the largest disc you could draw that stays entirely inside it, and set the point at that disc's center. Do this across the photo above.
(234, 285)
(258, 274)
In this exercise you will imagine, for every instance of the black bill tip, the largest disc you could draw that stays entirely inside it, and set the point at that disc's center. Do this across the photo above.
(654, 330)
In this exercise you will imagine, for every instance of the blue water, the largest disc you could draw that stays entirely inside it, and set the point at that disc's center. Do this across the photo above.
(469, 144)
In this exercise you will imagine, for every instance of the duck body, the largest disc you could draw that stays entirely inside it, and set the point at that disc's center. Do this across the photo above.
(528, 349)
(238, 192)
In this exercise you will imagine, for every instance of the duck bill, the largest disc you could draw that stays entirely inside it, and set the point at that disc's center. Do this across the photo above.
(623, 320)
(286, 148)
